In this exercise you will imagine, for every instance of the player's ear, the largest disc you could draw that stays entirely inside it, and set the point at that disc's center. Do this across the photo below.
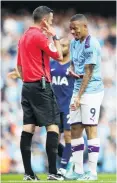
(85, 26)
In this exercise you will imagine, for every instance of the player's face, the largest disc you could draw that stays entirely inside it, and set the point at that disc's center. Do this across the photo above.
(78, 29)
(65, 46)
(50, 18)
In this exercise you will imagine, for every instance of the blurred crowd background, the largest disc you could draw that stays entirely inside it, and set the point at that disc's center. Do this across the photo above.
(12, 27)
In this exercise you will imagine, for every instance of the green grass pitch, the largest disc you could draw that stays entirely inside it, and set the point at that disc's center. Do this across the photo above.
(17, 178)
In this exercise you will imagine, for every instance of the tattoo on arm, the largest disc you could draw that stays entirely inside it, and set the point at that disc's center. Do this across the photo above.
(86, 78)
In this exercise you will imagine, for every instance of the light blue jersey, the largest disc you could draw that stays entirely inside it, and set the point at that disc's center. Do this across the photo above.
(87, 52)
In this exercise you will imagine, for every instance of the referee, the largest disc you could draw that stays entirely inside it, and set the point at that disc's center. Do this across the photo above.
(38, 101)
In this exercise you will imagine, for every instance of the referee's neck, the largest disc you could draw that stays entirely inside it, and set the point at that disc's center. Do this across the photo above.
(37, 26)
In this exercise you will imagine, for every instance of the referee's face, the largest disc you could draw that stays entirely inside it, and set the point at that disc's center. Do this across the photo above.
(78, 29)
(50, 18)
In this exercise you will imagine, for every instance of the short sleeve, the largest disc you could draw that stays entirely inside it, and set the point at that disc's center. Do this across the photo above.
(90, 54)
(47, 46)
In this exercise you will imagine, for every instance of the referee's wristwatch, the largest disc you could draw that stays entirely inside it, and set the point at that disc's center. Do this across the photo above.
(56, 37)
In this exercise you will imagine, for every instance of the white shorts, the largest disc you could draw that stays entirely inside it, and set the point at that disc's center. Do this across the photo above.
(89, 110)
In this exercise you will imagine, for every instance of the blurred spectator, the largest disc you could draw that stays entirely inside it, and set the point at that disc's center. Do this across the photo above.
(5, 160)
(13, 25)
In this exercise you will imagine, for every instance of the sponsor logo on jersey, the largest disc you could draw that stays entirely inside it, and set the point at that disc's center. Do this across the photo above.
(53, 70)
(58, 80)
(88, 55)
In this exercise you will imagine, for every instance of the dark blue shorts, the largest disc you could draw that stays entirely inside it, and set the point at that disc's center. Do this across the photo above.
(63, 122)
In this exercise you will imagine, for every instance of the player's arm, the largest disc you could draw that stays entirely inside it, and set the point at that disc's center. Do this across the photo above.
(71, 66)
(71, 70)
(14, 74)
(19, 65)
(86, 78)
(19, 72)
(90, 62)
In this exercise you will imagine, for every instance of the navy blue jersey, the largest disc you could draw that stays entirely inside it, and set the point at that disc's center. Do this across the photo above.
(62, 84)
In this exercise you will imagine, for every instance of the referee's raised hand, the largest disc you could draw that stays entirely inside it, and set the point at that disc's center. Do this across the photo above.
(49, 29)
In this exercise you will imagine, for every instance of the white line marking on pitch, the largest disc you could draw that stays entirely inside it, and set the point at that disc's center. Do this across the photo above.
(101, 181)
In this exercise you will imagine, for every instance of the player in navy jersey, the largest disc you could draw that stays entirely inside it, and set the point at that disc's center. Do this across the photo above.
(62, 84)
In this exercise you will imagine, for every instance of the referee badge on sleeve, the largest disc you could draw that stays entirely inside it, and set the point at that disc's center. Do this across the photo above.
(52, 47)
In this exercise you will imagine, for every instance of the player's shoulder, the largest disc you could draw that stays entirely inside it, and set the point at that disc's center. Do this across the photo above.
(91, 42)
(52, 62)
(94, 41)
(72, 41)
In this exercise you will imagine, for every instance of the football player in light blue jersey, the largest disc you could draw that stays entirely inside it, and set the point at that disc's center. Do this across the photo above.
(63, 84)
(85, 53)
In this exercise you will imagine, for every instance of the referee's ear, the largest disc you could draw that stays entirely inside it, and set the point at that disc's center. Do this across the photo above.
(44, 22)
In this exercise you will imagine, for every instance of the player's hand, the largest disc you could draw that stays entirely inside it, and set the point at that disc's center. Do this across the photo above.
(13, 74)
(72, 73)
(72, 107)
(49, 29)
(77, 102)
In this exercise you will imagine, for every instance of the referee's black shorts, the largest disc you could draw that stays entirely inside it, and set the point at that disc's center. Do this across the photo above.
(39, 105)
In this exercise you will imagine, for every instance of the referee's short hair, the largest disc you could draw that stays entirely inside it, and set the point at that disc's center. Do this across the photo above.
(40, 12)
